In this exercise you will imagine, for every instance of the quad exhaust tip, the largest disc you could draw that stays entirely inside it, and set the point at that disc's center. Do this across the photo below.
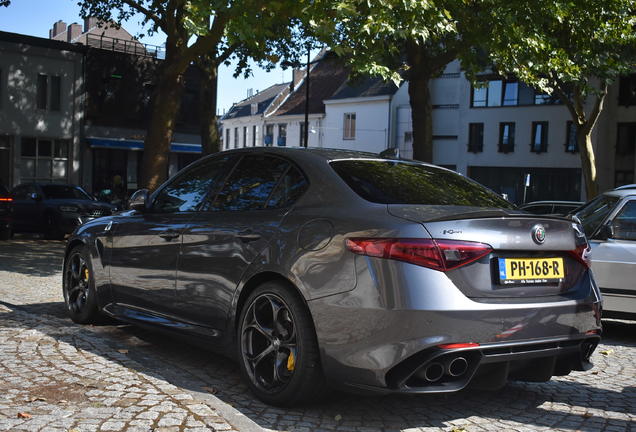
(457, 367)
(434, 372)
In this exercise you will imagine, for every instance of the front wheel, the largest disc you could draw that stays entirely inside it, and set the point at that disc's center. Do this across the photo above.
(79, 287)
(277, 347)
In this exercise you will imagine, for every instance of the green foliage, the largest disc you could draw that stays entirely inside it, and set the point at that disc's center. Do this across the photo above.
(264, 31)
(372, 34)
(562, 44)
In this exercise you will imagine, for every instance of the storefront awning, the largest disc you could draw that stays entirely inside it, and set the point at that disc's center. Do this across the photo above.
(127, 144)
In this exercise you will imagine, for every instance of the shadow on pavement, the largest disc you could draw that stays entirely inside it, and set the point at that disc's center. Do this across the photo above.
(194, 368)
(29, 255)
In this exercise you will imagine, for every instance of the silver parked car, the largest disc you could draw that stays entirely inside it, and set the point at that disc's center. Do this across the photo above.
(609, 221)
(321, 267)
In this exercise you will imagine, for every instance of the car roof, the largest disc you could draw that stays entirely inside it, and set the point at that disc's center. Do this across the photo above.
(533, 203)
(620, 193)
(324, 154)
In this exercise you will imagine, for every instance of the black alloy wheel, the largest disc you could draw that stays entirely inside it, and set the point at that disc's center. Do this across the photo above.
(277, 347)
(79, 287)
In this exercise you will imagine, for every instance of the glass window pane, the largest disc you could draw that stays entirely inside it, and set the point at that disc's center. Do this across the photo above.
(61, 149)
(510, 93)
(44, 168)
(250, 184)
(27, 168)
(289, 189)
(45, 148)
(55, 93)
(412, 183)
(479, 96)
(595, 211)
(494, 93)
(42, 91)
(187, 191)
(28, 147)
(59, 169)
(624, 224)
(526, 94)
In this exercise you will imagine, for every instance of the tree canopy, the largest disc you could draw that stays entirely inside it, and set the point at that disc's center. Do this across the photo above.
(573, 50)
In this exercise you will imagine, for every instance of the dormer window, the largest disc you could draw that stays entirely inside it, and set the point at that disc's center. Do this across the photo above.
(254, 108)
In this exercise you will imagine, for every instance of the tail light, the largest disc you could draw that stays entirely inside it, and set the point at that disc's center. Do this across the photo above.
(582, 254)
(442, 255)
(6, 199)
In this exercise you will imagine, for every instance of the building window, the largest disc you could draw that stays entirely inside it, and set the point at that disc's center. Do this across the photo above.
(510, 93)
(268, 139)
(48, 92)
(253, 108)
(349, 126)
(42, 90)
(506, 137)
(227, 138)
(625, 139)
(497, 92)
(282, 135)
(627, 90)
(236, 134)
(254, 131)
(476, 137)
(571, 146)
(244, 136)
(539, 137)
(43, 160)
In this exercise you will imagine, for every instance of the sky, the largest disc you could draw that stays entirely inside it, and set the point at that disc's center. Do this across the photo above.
(36, 17)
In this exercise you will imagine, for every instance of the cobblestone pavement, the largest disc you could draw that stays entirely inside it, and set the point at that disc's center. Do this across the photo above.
(58, 376)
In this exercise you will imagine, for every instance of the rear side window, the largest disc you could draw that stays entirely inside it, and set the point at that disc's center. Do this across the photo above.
(250, 184)
(288, 190)
(391, 182)
(188, 190)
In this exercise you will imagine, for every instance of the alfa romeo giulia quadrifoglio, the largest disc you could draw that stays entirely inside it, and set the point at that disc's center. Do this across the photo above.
(321, 268)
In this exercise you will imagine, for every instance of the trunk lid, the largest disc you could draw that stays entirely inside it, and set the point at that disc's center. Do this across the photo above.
(513, 238)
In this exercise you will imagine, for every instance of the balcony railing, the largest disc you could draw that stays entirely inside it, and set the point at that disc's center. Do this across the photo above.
(126, 46)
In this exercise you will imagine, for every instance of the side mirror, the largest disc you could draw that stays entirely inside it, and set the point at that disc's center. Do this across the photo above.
(36, 196)
(605, 232)
(139, 200)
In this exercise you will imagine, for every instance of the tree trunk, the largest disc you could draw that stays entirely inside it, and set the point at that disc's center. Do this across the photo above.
(208, 97)
(420, 101)
(588, 162)
(165, 107)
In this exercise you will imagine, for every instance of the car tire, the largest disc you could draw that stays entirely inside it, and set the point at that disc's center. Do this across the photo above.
(275, 319)
(51, 231)
(80, 296)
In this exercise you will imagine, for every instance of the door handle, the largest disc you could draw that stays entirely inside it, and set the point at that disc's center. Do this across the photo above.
(248, 236)
(169, 235)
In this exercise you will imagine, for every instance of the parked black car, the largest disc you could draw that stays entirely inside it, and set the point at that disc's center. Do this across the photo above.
(5, 210)
(53, 209)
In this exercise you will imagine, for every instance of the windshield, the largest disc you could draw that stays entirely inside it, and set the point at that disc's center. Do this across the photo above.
(64, 192)
(392, 182)
(594, 212)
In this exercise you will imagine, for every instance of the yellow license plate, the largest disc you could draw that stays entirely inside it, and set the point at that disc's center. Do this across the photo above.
(530, 270)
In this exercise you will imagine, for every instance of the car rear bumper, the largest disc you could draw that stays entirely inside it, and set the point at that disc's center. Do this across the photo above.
(378, 339)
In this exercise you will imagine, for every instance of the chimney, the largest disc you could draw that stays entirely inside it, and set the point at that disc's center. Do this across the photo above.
(89, 23)
(73, 31)
(58, 27)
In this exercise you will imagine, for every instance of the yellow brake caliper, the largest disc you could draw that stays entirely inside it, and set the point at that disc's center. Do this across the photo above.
(86, 274)
(291, 361)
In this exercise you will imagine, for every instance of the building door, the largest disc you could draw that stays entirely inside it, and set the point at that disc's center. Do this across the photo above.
(6, 173)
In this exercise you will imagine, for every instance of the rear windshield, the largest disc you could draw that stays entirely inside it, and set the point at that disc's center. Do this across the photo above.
(64, 192)
(3, 190)
(392, 182)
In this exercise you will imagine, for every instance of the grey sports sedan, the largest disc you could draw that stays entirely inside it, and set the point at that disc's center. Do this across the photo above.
(318, 268)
